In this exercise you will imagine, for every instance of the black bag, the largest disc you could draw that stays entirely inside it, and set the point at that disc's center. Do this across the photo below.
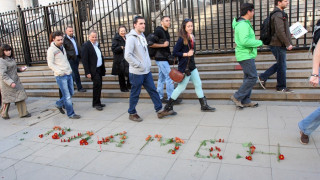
(265, 30)
(151, 39)
(315, 36)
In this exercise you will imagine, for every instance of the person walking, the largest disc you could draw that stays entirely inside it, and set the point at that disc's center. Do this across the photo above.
(59, 64)
(246, 52)
(94, 68)
(184, 50)
(280, 43)
(120, 66)
(72, 47)
(12, 90)
(137, 55)
(311, 122)
(162, 57)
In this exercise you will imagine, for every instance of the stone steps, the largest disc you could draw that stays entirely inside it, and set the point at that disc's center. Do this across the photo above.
(206, 84)
(220, 74)
(261, 95)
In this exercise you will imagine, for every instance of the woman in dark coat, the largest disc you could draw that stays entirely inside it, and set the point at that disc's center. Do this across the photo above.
(120, 66)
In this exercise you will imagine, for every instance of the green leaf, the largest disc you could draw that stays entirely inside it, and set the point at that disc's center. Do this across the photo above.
(21, 139)
(212, 141)
(238, 156)
(25, 132)
(246, 144)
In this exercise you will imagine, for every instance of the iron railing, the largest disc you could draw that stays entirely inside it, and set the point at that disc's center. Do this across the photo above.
(27, 30)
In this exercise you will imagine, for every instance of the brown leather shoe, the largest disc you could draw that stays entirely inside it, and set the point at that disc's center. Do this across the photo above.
(135, 117)
(163, 113)
(304, 139)
(251, 104)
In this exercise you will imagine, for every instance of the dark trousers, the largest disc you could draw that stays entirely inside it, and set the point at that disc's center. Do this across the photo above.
(280, 53)
(145, 80)
(97, 86)
(249, 80)
(124, 84)
(74, 64)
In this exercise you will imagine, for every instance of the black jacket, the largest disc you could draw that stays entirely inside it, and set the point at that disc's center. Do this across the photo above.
(120, 65)
(162, 53)
(68, 45)
(89, 59)
(178, 51)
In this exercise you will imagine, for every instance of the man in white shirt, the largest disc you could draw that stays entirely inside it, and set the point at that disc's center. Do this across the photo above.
(94, 68)
(72, 48)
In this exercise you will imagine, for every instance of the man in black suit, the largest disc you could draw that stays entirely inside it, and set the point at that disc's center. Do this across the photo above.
(72, 48)
(94, 68)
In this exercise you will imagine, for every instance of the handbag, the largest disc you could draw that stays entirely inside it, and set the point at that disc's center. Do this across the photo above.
(176, 75)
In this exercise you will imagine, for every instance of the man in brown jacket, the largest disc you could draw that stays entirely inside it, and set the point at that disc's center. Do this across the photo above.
(280, 43)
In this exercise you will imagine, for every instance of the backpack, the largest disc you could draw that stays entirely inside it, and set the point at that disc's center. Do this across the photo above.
(315, 36)
(151, 39)
(265, 30)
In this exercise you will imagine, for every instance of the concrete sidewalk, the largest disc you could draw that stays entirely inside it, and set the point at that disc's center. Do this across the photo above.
(24, 156)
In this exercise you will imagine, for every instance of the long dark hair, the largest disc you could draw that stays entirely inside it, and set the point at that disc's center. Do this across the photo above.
(183, 33)
(5, 47)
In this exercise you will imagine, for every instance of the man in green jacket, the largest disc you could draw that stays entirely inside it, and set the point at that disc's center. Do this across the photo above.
(246, 52)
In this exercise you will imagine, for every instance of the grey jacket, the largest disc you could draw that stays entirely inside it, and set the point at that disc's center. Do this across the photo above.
(136, 54)
(8, 75)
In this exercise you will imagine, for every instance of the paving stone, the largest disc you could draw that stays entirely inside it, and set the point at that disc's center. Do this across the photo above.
(109, 163)
(254, 135)
(31, 171)
(144, 167)
(237, 172)
(187, 169)
(298, 159)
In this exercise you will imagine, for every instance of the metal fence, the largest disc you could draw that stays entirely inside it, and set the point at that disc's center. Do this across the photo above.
(28, 30)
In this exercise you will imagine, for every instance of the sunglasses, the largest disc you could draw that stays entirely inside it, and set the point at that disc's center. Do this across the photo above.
(187, 20)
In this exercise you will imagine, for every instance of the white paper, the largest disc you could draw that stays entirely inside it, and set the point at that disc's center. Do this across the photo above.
(297, 30)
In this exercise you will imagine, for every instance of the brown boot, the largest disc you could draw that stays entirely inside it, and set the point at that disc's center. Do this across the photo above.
(163, 113)
(304, 139)
(251, 104)
(135, 117)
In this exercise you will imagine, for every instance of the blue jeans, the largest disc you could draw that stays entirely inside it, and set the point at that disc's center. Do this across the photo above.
(74, 64)
(280, 53)
(195, 79)
(164, 70)
(310, 123)
(66, 86)
(249, 80)
(136, 83)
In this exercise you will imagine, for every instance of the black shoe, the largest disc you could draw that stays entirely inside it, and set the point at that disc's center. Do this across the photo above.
(61, 110)
(285, 90)
(262, 83)
(5, 118)
(82, 90)
(177, 101)
(99, 108)
(75, 116)
(169, 105)
(124, 90)
(164, 101)
(26, 116)
(103, 105)
(204, 106)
